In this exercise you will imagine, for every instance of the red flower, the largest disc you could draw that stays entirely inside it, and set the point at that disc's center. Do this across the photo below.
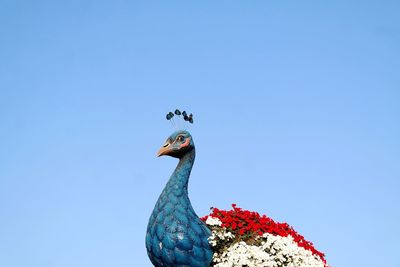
(244, 221)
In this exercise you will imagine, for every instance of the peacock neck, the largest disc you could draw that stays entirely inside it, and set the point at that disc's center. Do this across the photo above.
(179, 179)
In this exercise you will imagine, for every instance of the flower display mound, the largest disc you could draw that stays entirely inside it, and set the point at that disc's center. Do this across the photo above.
(244, 238)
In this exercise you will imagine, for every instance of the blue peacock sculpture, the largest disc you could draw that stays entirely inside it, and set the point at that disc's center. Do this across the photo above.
(177, 237)
(175, 234)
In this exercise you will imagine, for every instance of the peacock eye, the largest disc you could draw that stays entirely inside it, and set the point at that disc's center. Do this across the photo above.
(180, 138)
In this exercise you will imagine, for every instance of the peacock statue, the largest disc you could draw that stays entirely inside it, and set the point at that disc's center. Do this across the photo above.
(177, 237)
(175, 234)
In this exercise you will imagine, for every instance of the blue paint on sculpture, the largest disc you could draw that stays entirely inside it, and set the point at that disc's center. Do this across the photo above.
(175, 234)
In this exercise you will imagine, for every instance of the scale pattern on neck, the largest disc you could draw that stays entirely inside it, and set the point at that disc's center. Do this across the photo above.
(175, 234)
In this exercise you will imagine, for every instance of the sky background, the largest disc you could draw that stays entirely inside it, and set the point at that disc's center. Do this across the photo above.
(297, 116)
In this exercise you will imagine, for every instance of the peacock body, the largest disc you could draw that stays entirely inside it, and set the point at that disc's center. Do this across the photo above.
(175, 234)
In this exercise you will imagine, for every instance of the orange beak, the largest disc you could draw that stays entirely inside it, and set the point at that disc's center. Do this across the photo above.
(164, 150)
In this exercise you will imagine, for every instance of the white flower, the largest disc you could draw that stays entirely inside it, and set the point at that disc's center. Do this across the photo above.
(213, 221)
(218, 235)
(274, 251)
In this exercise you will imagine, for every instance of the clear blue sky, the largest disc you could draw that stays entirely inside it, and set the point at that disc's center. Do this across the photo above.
(297, 115)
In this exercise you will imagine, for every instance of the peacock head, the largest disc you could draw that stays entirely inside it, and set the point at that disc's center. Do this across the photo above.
(178, 144)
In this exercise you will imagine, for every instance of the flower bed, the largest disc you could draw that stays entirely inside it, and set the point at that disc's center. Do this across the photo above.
(244, 238)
